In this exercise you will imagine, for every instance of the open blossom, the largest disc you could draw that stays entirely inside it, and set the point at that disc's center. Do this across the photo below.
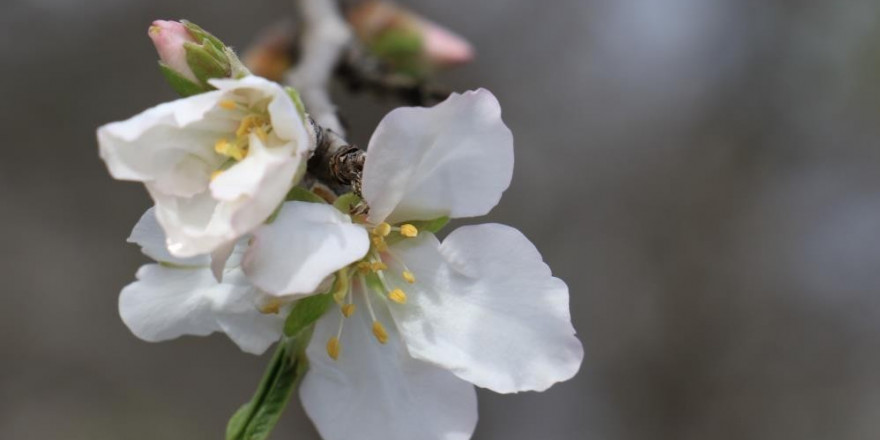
(180, 296)
(423, 320)
(216, 164)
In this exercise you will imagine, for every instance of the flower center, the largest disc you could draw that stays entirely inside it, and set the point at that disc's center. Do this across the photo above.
(254, 120)
(372, 280)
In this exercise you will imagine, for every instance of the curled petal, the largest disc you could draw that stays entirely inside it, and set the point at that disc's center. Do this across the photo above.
(454, 159)
(305, 244)
(151, 238)
(165, 303)
(486, 307)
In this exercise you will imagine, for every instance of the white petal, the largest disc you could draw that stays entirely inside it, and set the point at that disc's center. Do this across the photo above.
(378, 391)
(306, 243)
(219, 258)
(238, 315)
(165, 303)
(151, 238)
(170, 145)
(454, 159)
(486, 307)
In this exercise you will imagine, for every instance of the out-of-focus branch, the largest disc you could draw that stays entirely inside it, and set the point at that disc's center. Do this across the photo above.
(324, 36)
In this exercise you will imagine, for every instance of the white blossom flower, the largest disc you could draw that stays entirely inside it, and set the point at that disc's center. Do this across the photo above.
(180, 296)
(423, 320)
(216, 164)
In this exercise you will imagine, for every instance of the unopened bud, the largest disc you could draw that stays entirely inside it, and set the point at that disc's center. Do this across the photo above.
(169, 38)
(410, 43)
(189, 56)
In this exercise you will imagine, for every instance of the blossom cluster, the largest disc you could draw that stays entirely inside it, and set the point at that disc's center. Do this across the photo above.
(238, 241)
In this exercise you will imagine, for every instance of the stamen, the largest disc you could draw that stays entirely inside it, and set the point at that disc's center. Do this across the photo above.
(408, 276)
(398, 296)
(408, 230)
(382, 229)
(378, 265)
(348, 310)
(333, 345)
(379, 243)
(221, 146)
(379, 332)
(364, 266)
(333, 348)
(228, 104)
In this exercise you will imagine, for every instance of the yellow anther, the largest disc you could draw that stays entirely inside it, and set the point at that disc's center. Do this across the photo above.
(364, 266)
(272, 306)
(348, 310)
(382, 229)
(378, 265)
(248, 123)
(397, 296)
(221, 146)
(408, 230)
(409, 277)
(333, 348)
(228, 104)
(379, 332)
(214, 174)
(379, 244)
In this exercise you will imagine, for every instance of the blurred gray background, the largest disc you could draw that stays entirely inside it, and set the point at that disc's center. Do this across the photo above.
(705, 175)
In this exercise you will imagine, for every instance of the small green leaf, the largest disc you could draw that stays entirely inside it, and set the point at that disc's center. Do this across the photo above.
(183, 86)
(300, 194)
(203, 64)
(297, 101)
(256, 419)
(306, 312)
(346, 202)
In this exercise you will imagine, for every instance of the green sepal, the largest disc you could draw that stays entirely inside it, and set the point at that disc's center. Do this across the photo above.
(297, 102)
(305, 312)
(300, 194)
(403, 49)
(346, 202)
(200, 34)
(203, 64)
(182, 85)
(432, 225)
(256, 419)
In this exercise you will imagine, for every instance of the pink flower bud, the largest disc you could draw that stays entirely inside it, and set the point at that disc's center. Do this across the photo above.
(168, 37)
(444, 47)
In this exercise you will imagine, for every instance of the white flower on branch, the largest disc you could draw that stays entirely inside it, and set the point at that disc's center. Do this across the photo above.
(422, 320)
(180, 296)
(217, 164)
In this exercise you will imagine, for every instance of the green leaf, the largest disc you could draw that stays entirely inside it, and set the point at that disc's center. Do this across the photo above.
(300, 194)
(182, 85)
(297, 101)
(346, 202)
(306, 312)
(256, 419)
(203, 64)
